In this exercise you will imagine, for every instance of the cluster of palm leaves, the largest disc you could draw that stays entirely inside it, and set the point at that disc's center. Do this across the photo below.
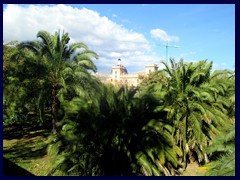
(35, 73)
(222, 154)
(98, 129)
(199, 105)
(116, 134)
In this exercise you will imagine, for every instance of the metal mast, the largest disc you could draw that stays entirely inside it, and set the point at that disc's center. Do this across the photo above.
(167, 46)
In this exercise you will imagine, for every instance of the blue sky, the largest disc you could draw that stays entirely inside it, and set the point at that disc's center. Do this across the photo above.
(135, 33)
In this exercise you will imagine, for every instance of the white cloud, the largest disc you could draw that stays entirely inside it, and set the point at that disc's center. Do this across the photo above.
(114, 16)
(107, 38)
(162, 35)
(187, 55)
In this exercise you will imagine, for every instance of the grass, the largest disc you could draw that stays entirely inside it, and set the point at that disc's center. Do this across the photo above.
(193, 169)
(26, 150)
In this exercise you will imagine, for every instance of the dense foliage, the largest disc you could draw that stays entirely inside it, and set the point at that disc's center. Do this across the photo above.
(222, 154)
(175, 116)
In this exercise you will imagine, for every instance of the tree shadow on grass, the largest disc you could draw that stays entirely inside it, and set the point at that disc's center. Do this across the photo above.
(24, 131)
(26, 149)
(32, 145)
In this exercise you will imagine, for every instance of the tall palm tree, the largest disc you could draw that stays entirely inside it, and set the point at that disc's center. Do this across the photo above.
(192, 108)
(57, 55)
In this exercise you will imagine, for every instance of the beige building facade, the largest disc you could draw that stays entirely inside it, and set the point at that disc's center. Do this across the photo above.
(119, 74)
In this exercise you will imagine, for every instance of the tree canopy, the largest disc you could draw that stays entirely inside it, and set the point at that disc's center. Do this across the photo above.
(177, 115)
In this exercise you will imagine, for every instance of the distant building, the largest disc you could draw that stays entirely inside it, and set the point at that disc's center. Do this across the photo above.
(120, 74)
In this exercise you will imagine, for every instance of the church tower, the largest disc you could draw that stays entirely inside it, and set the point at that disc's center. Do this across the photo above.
(117, 71)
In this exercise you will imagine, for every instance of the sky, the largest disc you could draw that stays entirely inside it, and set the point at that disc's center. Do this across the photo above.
(135, 33)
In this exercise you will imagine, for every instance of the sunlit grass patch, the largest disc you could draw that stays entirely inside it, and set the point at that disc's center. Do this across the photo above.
(28, 153)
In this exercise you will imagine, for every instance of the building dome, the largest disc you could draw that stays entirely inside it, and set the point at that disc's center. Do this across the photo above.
(125, 70)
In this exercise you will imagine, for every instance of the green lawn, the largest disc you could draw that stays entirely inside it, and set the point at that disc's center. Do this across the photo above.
(27, 151)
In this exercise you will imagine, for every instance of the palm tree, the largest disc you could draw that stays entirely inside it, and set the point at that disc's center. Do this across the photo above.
(222, 154)
(115, 132)
(54, 52)
(224, 82)
(192, 108)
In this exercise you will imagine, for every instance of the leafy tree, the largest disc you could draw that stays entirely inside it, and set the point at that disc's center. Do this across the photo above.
(148, 82)
(21, 85)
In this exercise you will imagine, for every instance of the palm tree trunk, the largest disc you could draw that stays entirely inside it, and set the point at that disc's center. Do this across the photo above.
(185, 158)
(186, 138)
(54, 108)
(206, 160)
